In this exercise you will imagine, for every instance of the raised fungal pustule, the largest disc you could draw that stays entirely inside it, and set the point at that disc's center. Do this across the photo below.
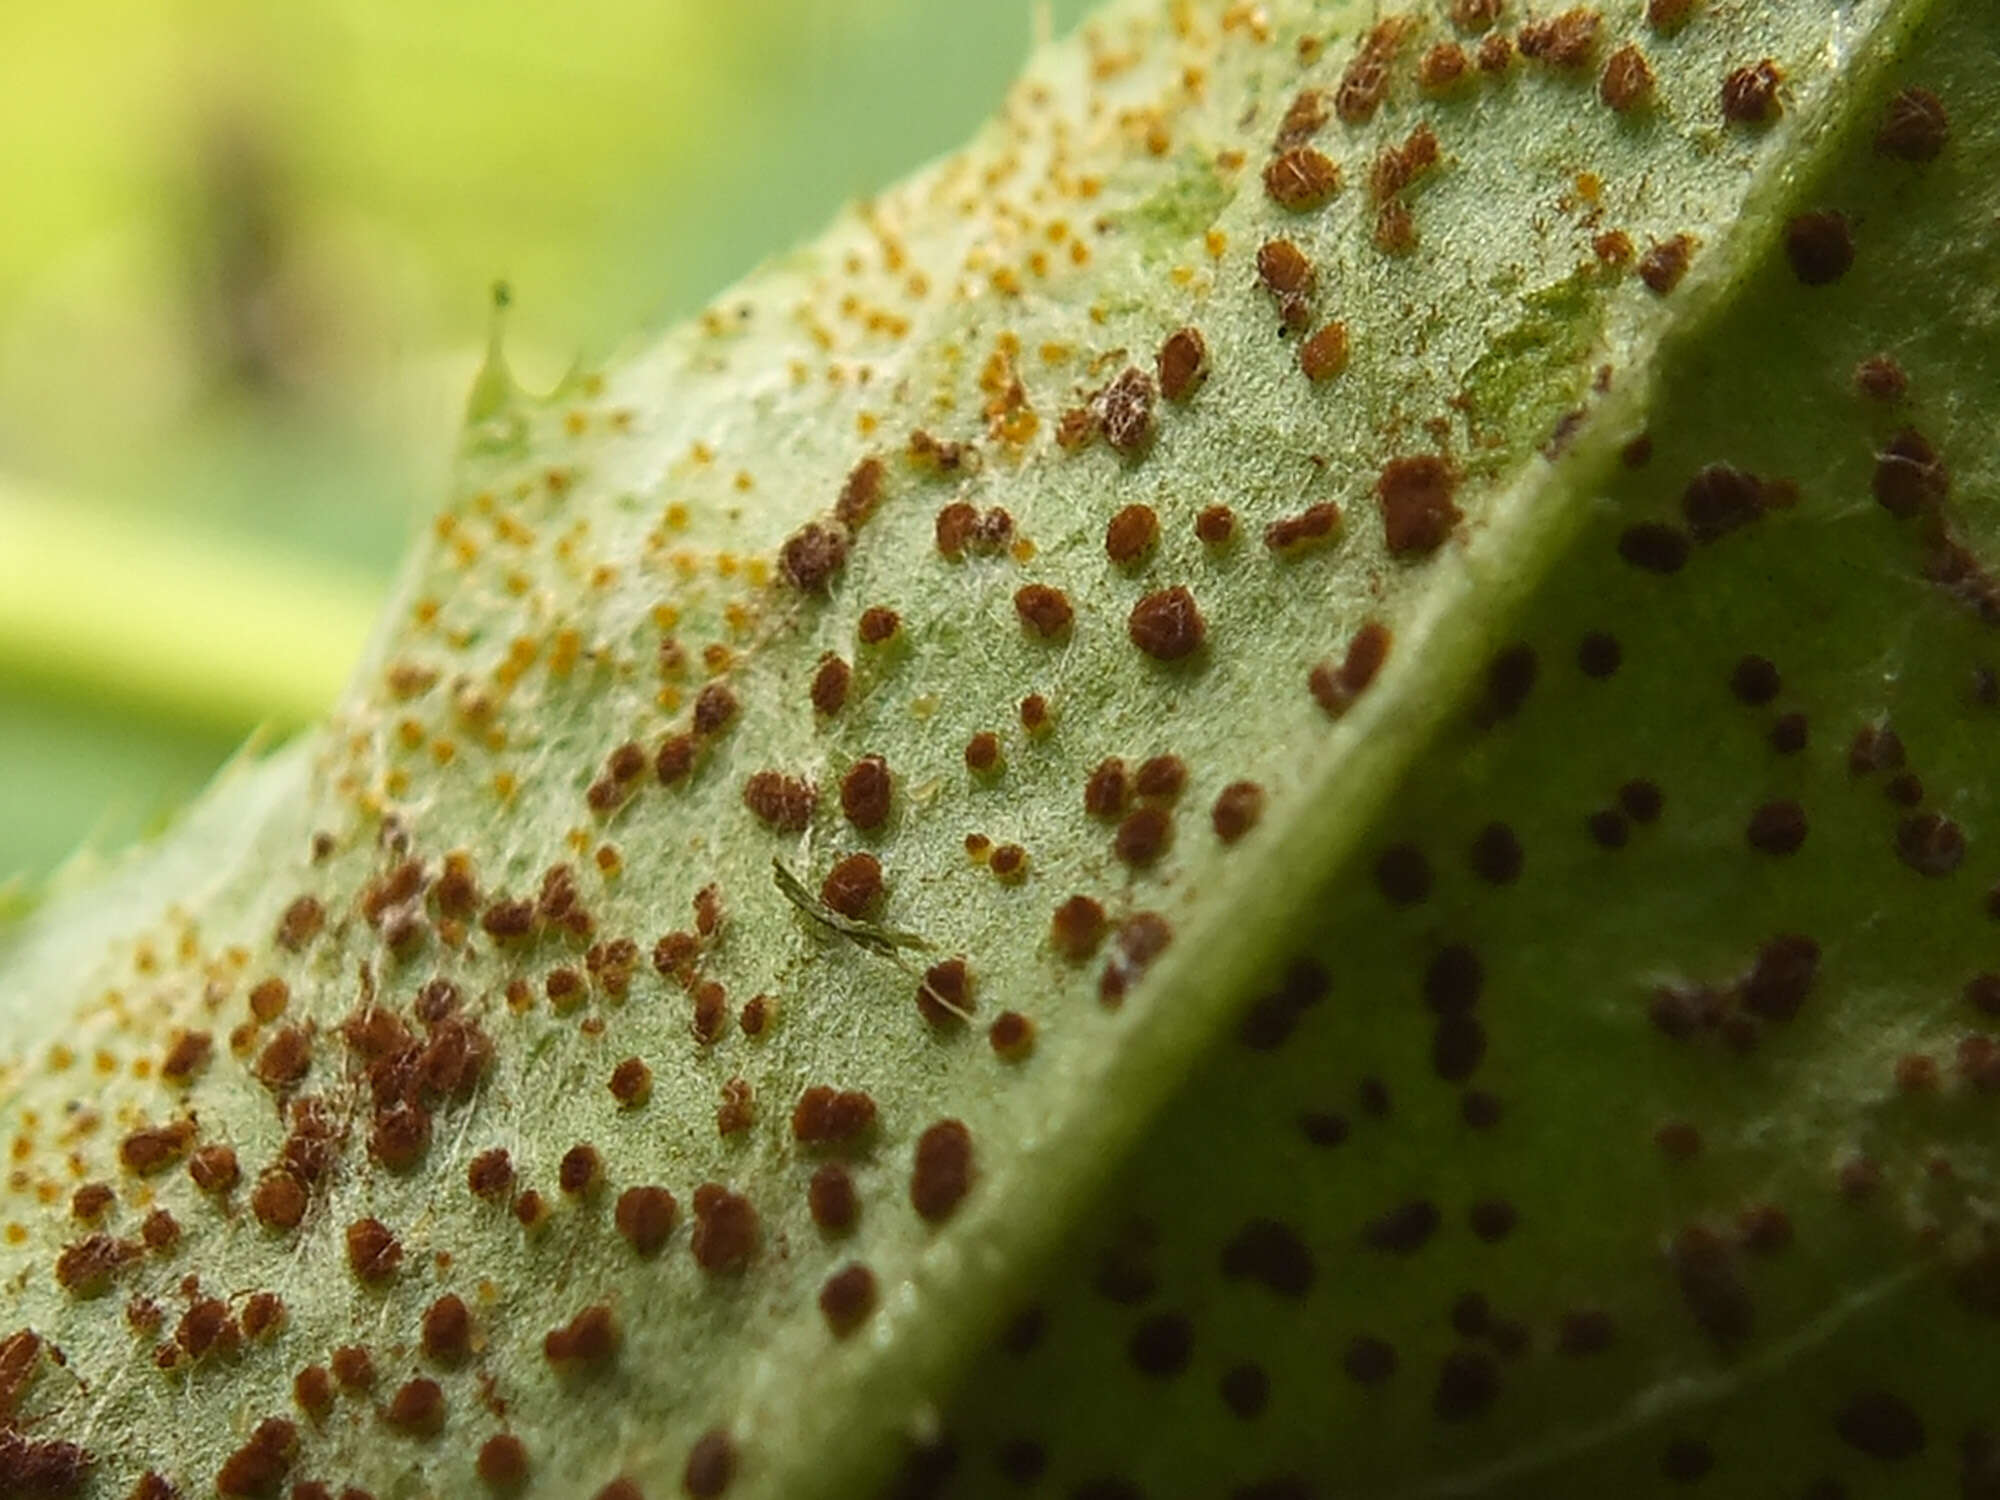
(1386, 605)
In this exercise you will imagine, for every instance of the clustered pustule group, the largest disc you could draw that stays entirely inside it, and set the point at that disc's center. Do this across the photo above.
(1763, 998)
(412, 1060)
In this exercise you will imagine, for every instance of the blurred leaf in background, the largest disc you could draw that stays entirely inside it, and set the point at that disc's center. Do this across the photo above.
(243, 287)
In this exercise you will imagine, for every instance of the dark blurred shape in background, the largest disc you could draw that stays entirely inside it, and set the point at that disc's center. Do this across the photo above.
(243, 285)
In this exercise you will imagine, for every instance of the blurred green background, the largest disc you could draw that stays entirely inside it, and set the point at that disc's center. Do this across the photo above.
(243, 285)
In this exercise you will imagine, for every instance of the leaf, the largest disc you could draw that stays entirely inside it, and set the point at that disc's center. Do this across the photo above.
(1656, 1082)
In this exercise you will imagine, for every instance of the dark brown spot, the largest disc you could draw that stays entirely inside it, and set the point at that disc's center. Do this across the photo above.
(982, 753)
(1881, 1425)
(847, 1297)
(1453, 980)
(1777, 827)
(1782, 977)
(726, 1230)
(206, 1326)
(399, 1136)
(1271, 1254)
(155, 1148)
(1403, 1230)
(1323, 354)
(1303, 117)
(1710, 1286)
(945, 995)
(446, 1331)
(1627, 81)
(1417, 509)
(1510, 678)
(1237, 809)
(784, 803)
(278, 1200)
(1754, 680)
(508, 919)
(1641, 801)
(1077, 928)
(878, 625)
(646, 1216)
(255, 1470)
(301, 923)
(1125, 413)
(1182, 364)
(373, 1253)
(673, 764)
(1043, 610)
(312, 1389)
(1301, 178)
(860, 493)
(503, 1462)
(188, 1055)
(831, 1197)
(631, 1082)
(853, 887)
(1881, 378)
(1915, 126)
(711, 1465)
(89, 1202)
(1167, 624)
(1819, 246)
(1442, 67)
(1365, 81)
(865, 793)
(580, 1171)
(954, 528)
(353, 1367)
(1108, 791)
(1290, 279)
(943, 1170)
(812, 555)
(416, 1408)
(1909, 475)
(490, 1175)
(1665, 263)
(1131, 534)
(590, 1338)
(1930, 844)
(1012, 1036)
(1563, 41)
(1215, 525)
(1143, 836)
(160, 1230)
(714, 708)
(1719, 499)
(1311, 528)
(832, 1117)
(829, 686)
(1750, 93)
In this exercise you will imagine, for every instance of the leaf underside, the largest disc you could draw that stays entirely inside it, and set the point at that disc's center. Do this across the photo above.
(1564, 1073)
